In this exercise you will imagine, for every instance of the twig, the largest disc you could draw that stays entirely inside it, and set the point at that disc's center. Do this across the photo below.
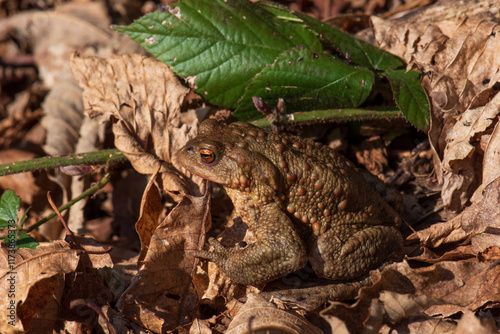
(89, 192)
(335, 115)
(90, 158)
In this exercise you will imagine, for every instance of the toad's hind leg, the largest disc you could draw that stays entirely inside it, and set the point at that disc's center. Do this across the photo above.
(338, 256)
(278, 250)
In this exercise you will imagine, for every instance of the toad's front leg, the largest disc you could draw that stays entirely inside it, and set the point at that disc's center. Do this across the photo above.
(278, 250)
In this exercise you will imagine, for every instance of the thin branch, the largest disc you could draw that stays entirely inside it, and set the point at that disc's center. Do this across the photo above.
(88, 192)
(90, 158)
(334, 115)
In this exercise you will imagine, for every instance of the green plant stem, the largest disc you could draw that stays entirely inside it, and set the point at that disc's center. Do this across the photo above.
(90, 158)
(88, 192)
(334, 115)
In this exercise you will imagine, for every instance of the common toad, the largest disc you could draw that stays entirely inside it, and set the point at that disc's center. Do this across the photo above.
(300, 200)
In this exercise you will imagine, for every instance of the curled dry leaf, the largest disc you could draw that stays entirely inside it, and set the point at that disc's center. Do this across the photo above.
(491, 161)
(459, 54)
(151, 208)
(259, 315)
(145, 98)
(162, 296)
(32, 280)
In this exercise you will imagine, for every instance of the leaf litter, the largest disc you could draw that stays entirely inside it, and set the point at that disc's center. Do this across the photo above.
(165, 294)
(144, 97)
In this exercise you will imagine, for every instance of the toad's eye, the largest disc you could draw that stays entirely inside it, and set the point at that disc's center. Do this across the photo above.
(207, 155)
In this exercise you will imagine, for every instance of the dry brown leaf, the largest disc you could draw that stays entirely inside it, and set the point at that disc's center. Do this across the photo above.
(162, 296)
(63, 109)
(372, 154)
(86, 286)
(94, 251)
(425, 324)
(473, 122)
(391, 297)
(259, 315)
(214, 283)
(41, 309)
(480, 220)
(46, 282)
(200, 327)
(144, 97)
(151, 208)
(491, 161)
(437, 255)
(37, 277)
(15, 125)
(23, 184)
(469, 323)
(457, 285)
(54, 35)
(440, 233)
(400, 292)
(458, 52)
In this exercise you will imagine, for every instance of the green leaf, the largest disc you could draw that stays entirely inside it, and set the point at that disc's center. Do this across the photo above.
(356, 50)
(410, 96)
(9, 205)
(26, 241)
(232, 50)
(307, 81)
(223, 44)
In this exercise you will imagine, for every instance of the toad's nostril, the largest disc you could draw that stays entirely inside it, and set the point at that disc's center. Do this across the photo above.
(189, 149)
